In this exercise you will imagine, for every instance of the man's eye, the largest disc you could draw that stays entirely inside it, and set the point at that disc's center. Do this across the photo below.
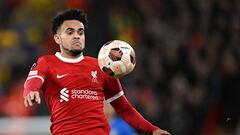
(81, 32)
(69, 32)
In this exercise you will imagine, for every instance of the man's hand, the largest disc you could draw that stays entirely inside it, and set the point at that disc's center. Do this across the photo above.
(160, 132)
(31, 98)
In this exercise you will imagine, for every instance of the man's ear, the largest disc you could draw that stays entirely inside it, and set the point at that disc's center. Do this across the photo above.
(57, 39)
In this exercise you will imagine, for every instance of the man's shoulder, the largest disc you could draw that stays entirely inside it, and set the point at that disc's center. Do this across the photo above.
(89, 58)
(47, 57)
(91, 61)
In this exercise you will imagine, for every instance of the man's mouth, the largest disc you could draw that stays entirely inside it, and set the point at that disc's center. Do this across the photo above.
(76, 43)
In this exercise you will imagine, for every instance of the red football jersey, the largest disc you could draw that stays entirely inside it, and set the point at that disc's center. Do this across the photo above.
(74, 90)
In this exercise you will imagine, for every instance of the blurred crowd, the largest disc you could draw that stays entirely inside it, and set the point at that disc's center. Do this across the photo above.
(187, 77)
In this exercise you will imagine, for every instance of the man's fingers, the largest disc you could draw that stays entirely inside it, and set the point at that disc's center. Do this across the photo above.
(31, 98)
(29, 101)
(166, 133)
(37, 97)
(161, 132)
(31, 94)
(25, 102)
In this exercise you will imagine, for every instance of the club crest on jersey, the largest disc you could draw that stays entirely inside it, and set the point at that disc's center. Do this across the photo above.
(94, 76)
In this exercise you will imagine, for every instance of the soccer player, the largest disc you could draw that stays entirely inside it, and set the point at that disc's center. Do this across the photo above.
(74, 86)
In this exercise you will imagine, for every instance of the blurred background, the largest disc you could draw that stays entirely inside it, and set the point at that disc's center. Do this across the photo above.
(187, 77)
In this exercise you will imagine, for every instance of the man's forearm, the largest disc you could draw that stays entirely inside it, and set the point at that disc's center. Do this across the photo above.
(131, 116)
(32, 84)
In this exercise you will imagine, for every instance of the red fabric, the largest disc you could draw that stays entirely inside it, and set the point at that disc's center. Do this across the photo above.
(32, 85)
(74, 94)
(131, 116)
(111, 87)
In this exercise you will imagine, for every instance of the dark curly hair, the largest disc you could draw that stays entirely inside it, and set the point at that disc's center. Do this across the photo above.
(69, 14)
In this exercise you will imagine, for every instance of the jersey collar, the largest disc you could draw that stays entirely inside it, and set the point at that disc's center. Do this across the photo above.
(68, 60)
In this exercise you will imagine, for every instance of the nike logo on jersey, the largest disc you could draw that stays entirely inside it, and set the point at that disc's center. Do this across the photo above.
(61, 76)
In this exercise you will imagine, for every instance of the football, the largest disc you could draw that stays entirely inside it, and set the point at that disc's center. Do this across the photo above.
(116, 58)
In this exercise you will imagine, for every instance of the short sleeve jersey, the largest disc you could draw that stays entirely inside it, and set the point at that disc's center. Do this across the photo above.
(74, 90)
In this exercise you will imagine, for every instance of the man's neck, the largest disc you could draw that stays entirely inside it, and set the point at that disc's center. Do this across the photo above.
(66, 55)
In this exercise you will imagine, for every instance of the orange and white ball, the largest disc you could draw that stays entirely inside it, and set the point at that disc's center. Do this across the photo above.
(116, 58)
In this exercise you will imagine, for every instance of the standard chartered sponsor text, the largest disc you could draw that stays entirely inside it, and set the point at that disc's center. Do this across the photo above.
(84, 94)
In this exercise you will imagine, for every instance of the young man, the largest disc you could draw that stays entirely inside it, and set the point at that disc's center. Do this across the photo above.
(74, 87)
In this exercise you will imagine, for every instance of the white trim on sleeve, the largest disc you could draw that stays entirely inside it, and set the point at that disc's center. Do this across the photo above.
(115, 97)
(35, 76)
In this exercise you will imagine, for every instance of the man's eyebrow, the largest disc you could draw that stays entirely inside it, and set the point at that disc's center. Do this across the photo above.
(69, 29)
(72, 29)
(81, 29)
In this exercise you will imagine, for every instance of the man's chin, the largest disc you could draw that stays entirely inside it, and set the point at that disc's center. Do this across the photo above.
(75, 52)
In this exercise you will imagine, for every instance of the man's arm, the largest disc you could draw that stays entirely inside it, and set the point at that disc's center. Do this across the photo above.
(31, 92)
(34, 82)
(132, 117)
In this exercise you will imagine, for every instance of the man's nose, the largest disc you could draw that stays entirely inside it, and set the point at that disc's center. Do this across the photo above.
(76, 36)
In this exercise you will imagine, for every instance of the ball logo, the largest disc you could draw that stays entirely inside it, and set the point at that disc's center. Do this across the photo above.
(64, 95)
